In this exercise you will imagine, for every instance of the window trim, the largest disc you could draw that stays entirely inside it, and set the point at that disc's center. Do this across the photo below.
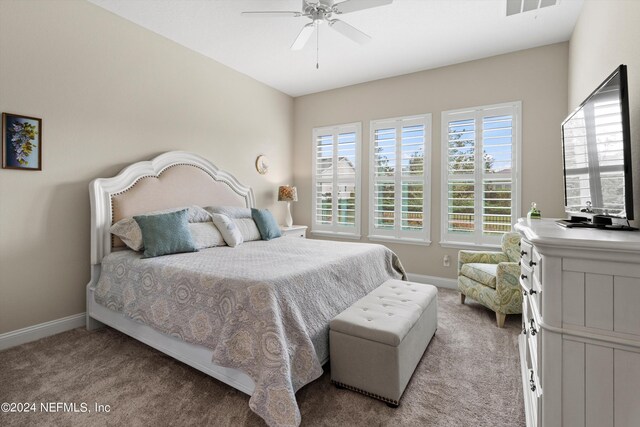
(396, 235)
(335, 230)
(476, 240)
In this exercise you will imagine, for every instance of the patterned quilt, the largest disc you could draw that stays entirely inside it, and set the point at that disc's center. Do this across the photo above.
(263, 307)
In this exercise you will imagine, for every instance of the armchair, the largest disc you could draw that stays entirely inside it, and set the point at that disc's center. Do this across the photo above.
(491, 278)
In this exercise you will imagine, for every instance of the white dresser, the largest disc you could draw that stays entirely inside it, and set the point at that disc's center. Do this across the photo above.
(580, 346)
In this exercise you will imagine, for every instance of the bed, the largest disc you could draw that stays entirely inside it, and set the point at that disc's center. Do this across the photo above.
(255, 316)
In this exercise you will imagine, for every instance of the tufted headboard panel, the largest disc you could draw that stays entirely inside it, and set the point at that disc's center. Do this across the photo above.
(173, 179)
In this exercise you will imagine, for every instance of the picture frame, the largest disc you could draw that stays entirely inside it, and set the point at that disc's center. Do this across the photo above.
(21, 142)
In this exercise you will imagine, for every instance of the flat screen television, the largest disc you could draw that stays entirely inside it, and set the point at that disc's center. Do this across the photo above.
(596, 147)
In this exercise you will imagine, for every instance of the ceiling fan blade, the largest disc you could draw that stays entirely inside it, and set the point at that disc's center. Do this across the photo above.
(303, 37)
(349, 31)
(349, 6)
(277, 14)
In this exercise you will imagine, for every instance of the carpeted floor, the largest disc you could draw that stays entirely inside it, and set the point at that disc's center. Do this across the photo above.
(469, 376)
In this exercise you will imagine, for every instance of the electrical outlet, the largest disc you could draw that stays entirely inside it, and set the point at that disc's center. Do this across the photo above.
(446, 261)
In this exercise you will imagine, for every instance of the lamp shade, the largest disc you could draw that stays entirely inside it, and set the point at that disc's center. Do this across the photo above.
(287, 193)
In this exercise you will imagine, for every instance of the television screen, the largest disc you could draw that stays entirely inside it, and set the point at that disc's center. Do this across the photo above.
(597, 152)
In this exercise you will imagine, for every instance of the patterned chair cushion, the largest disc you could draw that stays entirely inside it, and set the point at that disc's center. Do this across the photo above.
(481, 273)
(507, 302)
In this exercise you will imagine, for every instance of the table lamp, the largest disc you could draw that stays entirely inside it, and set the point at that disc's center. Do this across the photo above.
(288, 193)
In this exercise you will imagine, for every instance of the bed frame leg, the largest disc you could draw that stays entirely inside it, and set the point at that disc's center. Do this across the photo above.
(93, 324)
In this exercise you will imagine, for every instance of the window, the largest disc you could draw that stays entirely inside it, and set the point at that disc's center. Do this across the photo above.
(336, 180)
(480, 169)
(399, 184)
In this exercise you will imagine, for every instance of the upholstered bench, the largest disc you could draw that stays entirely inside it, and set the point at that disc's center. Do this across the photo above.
(376, 344)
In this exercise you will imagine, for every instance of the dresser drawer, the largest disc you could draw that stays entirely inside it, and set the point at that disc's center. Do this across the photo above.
(536, 265)
(526, 277)
(532, 388)
(525, 315)
(530, 385)
(526, 251)
(530, 282)
(533, 334)
(535, 295)
(534, 394)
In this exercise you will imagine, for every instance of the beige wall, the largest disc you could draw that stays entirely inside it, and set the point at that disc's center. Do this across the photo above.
(606, 35)
(110, 93)
(537, 77)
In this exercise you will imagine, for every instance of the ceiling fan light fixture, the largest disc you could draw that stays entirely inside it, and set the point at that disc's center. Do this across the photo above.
(321, 11)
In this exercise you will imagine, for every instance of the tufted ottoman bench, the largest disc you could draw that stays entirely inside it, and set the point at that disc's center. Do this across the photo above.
(376, 344)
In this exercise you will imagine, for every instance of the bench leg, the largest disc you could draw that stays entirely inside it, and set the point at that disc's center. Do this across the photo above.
(462, 298)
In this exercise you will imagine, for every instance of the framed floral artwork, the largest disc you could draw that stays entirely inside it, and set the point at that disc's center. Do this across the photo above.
(21, 142)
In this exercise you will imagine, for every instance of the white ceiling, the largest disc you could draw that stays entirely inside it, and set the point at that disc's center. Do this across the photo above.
(408, 36)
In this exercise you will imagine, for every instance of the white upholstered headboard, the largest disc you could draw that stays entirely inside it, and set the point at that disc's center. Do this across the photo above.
(173, 179)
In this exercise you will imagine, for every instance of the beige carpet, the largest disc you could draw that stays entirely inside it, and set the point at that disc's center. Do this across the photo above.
(469, 376)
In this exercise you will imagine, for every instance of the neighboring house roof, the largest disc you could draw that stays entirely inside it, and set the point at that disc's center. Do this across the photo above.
(343, 163)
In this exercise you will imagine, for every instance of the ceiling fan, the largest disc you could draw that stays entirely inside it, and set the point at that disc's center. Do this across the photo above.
(322, 11)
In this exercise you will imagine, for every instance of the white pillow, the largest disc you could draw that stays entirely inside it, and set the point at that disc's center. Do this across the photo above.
(229, 230)
(129, 232)
(206, 235)
(248, 229)
(233, 212)
(242, 218)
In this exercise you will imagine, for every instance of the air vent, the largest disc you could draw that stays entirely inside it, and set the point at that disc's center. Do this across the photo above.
(515, 7)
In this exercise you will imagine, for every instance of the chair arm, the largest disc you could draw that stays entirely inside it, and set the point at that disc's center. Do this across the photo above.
(483, 257)
(507, 277)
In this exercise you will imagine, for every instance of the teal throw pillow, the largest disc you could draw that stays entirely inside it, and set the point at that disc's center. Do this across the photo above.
(267, 225)
(164, 234)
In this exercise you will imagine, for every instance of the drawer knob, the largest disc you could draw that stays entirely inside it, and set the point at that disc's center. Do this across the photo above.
(523, 253)
(532, 291)
(523, 276)
(531, 263)
(524, 293)
(532, 383)
(533, 327)
(524, 328)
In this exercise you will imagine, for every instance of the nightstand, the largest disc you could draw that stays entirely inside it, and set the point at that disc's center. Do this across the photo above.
(294, 231)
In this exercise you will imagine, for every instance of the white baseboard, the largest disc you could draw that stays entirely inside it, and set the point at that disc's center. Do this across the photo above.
(35, 332)
(441, 282)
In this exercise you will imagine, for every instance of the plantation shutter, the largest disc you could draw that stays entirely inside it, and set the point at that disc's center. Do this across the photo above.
(336, 176)
(461, 167)
(498, 213)
(399, 179)
(324, 179)
(480, 203)
(346, 179)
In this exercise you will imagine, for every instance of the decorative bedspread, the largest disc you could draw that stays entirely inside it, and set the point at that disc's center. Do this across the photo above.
(263, 307)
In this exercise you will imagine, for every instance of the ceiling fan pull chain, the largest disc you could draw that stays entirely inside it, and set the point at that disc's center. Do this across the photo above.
(317, 46)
